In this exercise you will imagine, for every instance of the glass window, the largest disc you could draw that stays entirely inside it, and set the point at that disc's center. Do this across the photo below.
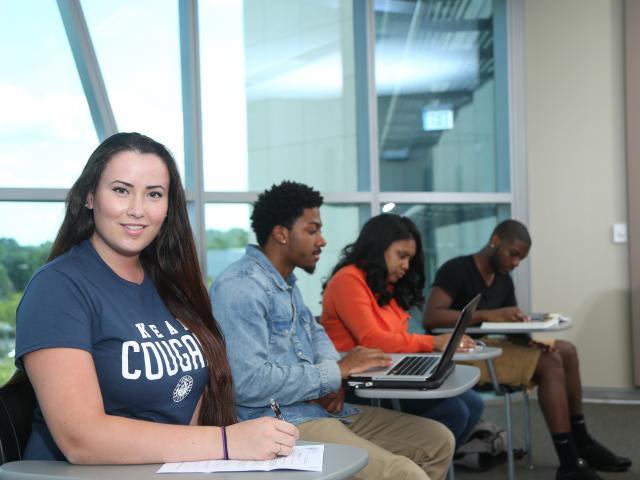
(340, 226)
(284, 108)
(451, 230)
(26, 232)
(44, 116)
(278, 89)
(229, 231)
(138, 48)
(436, 88)
(448, 231)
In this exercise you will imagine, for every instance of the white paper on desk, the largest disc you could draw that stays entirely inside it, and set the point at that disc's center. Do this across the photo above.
(546, 321)
(303, 457)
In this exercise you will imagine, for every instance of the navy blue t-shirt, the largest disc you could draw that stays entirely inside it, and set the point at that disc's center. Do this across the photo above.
(149, 366)
(462, 281)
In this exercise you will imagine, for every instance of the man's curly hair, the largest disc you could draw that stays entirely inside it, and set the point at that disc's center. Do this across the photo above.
(281, 205)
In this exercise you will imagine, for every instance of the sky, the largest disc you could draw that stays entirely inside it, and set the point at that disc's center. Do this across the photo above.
(46, 131)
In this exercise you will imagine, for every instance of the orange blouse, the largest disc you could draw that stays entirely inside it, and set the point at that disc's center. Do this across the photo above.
(351, 316)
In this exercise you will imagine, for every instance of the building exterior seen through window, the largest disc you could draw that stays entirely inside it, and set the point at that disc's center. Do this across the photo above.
(287, 90)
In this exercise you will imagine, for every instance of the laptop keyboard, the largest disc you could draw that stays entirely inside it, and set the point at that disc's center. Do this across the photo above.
(413, 366)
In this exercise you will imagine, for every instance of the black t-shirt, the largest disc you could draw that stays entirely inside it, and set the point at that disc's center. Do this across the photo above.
(461, 279)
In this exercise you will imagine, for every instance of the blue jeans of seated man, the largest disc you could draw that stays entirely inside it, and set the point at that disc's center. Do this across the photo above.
(459, 414)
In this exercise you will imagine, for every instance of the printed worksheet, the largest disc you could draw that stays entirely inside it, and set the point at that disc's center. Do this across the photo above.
(303, 457)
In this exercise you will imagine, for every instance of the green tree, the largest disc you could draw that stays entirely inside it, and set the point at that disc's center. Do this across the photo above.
(6, 286)
(7, 368)
(222, 240)
(8, 310)
(19, 263)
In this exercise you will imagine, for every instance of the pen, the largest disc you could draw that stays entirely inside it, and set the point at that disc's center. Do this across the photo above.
(276, 410)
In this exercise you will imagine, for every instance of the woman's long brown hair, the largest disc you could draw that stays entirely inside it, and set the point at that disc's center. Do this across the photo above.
(170, 260)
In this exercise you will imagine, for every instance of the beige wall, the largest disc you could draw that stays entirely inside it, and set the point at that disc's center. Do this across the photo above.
(577, 186)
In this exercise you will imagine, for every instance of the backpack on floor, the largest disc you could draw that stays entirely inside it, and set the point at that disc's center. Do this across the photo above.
(485, 448)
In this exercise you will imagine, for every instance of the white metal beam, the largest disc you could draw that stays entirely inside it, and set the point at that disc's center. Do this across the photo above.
(88, 67)
(192, 122)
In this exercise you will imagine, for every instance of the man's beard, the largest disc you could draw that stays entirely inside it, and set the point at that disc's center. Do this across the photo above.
(309, 269)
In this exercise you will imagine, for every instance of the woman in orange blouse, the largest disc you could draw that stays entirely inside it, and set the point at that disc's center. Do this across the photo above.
(365, 302)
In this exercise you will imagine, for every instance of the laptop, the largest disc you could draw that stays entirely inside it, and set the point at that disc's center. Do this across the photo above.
(422, 372)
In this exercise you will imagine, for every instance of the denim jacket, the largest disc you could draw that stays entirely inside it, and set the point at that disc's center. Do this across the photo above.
(275, 347)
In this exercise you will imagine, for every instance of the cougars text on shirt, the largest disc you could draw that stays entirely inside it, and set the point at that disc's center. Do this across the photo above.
(161, 353)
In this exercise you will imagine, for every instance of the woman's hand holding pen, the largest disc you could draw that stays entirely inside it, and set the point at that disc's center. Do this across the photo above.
(261, 439)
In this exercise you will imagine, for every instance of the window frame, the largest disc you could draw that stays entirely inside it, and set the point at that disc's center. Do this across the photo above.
(510, 48)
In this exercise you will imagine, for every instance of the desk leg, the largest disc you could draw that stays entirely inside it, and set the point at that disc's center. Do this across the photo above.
(507, 411)
(527, 428)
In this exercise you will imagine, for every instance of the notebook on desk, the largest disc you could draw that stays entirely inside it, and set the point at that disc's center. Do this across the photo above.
(422, 372)
(536, 320)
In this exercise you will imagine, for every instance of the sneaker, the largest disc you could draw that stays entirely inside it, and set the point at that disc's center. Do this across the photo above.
(601, 458)
(581, 471)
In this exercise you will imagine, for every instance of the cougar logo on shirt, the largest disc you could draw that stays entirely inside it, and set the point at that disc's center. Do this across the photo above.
(160, 354)
(182, 388)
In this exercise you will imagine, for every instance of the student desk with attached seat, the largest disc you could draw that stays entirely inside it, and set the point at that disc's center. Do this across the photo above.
(459, 381)
(531, 327)
(339, 462)
(505, 390)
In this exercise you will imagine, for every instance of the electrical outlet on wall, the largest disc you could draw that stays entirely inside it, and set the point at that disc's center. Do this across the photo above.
(619, 233)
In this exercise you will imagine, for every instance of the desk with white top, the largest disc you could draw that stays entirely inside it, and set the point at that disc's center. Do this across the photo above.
(459, 381)
(528, 327)
(340, 461)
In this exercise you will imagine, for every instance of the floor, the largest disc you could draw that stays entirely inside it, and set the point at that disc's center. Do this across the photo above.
(615, 425)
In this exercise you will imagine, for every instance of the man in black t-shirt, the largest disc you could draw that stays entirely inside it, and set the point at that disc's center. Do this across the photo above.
(553, 365)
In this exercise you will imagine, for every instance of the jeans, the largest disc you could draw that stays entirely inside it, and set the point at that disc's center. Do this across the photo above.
(460, 414)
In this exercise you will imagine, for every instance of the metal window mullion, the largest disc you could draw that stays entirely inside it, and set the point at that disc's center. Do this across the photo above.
(374, 167)
(192, 124)
(33, 194)
(517, 139)
(384, 197)
(501, 95)
(445, 197)
(88, 67)
(362, 101)
(250, 197)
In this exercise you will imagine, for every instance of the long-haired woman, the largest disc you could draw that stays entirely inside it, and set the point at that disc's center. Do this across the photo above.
(366, 301)
(116, 332)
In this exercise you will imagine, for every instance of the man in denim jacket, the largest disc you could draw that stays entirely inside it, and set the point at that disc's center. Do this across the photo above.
(278, 350)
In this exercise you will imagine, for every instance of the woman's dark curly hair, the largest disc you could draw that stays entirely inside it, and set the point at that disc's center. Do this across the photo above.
(281, 205)
(367, 253)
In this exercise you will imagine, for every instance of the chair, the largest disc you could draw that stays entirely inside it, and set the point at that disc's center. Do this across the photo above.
(506, 391)
(17, 403)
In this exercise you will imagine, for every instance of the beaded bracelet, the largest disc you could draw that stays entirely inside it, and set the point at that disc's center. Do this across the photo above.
(225, 451)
